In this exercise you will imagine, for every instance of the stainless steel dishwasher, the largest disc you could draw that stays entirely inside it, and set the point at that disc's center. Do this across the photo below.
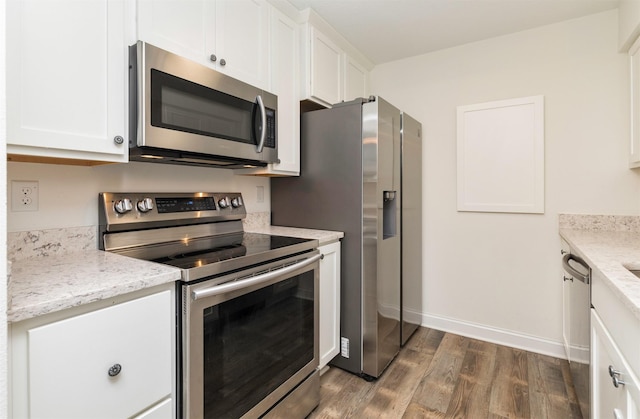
(576, 324)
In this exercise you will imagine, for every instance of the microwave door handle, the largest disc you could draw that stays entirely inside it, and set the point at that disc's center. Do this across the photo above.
(263, 132)
(258, 279)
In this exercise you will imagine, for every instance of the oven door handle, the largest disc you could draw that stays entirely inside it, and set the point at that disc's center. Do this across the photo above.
(572, 271)
(258, 279)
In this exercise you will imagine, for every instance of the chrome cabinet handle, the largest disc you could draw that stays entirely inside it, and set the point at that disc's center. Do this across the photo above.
(223, 62)
(615, 377)
(263, 115)
(213, 58)
(567, 279)
(258, 279)
(118, 139)
(617, 382)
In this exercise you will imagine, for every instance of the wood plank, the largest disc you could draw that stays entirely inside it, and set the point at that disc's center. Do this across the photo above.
(548, 390)
(441, 375)
(471, 395)
(510, 393)
(436, 387)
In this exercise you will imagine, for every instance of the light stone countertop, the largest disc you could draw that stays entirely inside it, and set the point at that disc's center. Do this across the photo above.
(607, 252)
(60, 268)
(43, 285)
(323, 236)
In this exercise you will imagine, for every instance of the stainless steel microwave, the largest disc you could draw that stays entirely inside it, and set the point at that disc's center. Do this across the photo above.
(182, 112)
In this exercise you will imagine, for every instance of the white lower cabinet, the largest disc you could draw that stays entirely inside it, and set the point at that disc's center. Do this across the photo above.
(329, 302)
(615, 389)
(112, 362)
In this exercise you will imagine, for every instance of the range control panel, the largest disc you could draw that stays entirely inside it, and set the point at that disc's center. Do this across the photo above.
(131, 211)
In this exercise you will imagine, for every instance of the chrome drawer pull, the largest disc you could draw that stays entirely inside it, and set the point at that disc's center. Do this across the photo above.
(615, 377)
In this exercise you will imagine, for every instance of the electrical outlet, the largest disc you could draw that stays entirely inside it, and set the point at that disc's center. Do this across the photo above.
(344, 347)
(24, 195)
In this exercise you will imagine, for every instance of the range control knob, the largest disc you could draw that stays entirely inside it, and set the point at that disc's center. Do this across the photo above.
(122, 206)
(236, 202)
(145, 204)
(223, 202)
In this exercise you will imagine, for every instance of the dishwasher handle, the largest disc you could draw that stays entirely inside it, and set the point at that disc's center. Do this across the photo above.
(572, 271)
(258, 279)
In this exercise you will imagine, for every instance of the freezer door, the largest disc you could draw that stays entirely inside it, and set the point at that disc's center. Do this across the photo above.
(381, 235)
(411, 225)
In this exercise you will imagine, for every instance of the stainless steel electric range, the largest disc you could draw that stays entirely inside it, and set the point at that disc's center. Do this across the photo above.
(247, 303)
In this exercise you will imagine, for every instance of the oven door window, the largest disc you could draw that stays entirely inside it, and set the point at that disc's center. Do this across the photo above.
(182, 105)
(254, 343)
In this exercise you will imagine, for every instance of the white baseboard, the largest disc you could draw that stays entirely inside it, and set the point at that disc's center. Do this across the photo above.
(495, 335)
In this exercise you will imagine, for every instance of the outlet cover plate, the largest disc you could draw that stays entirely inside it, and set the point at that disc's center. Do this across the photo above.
(24, 195)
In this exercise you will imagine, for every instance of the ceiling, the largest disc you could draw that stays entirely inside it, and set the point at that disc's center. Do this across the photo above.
(388, 30)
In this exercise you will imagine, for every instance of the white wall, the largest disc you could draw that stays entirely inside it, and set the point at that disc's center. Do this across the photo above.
(497, 276)
(68, 195)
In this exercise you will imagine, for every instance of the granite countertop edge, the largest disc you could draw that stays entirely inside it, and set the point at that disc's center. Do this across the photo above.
(608, 252)
(44, 285)
(47, 284)
(323, 236)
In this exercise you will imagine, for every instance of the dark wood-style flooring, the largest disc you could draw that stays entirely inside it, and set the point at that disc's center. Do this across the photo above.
(442, 375)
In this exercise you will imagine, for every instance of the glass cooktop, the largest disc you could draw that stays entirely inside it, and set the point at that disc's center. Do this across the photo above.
(254, 246)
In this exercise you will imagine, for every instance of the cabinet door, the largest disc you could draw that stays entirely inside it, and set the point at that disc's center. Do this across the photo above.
(66, 72)
(329, 303)
(241, 40)
(326, 68)
(179, 26)
(70, 361)
(284, 82)
(608, 400)
(356, 79)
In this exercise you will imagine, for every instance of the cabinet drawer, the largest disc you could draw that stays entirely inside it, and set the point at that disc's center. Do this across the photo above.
(621, 323)
(163, 410)
(70, 360)
(609, 400)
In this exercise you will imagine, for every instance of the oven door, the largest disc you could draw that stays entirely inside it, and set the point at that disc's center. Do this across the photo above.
(250, 340)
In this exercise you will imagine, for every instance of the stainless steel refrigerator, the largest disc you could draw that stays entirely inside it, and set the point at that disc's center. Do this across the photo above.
(351, 181)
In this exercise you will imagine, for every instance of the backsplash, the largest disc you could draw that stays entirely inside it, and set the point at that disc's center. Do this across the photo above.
(599, 222)
(38, 243)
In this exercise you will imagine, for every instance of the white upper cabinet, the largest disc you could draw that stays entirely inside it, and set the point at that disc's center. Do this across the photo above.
(356, 79)
(229, 36)
(284, 49)
(242, 39)
(332, 70)
(66, 80)
(326, 68)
